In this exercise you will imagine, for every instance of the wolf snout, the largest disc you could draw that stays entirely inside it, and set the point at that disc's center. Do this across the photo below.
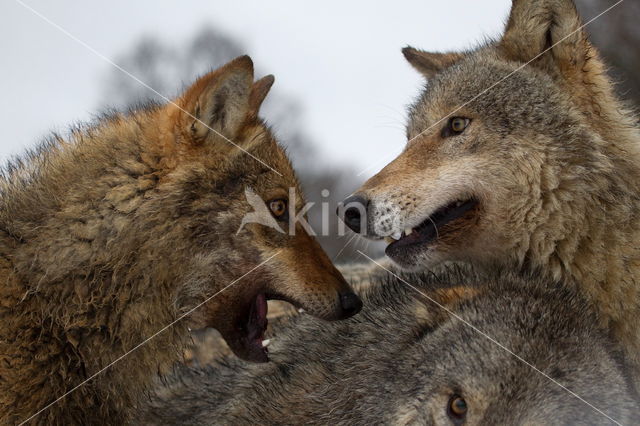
(339, 306)
(351, 304)
(354, 213)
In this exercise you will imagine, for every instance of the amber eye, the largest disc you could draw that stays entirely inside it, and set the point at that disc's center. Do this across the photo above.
(278, 208)
(457, 125)
(457, 408)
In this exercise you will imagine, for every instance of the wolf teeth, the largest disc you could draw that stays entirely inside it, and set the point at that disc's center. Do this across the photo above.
(408, 231)
(266, 342)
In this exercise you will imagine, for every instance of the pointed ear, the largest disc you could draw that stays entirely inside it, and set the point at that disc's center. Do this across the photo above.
(535, 26)
(218, 101)
(259, 91)
(430, 63)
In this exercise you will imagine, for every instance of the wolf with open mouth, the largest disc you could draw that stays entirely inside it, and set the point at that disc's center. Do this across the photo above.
(519, 153)
(117, 240)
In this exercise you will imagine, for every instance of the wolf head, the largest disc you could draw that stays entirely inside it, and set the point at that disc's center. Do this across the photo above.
(506, 145)
(222, 164)
(500, 362)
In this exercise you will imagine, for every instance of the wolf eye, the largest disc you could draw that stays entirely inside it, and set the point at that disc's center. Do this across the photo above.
(455, 126)
(457, 408)
(278, 208)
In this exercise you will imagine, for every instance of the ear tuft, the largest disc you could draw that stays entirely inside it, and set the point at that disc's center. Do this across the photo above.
(430, 63)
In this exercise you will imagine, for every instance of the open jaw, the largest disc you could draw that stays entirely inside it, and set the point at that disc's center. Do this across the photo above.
(245, 333)
(245, 337)
(442, 223)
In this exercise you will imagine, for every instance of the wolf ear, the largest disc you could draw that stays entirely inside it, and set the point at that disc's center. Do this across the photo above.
(259, 91)
(218, 101)
(429, 63)
(547, 32)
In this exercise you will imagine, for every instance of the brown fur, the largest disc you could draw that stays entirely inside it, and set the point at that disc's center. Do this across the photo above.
(551, 155)
(110, 235)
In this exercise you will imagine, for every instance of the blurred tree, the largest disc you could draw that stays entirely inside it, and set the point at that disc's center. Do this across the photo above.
(617, 36)
(166, 67)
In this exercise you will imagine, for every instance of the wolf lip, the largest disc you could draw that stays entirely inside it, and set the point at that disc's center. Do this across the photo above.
(429, 230)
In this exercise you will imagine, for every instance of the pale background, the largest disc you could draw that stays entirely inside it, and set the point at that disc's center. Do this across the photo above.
(341, 82)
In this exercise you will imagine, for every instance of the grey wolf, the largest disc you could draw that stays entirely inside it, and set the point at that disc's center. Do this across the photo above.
(112, 234)
(404, 360)
(536, 165)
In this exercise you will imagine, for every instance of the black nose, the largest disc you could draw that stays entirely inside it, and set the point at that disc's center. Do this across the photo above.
(355, 207)
(351, 304)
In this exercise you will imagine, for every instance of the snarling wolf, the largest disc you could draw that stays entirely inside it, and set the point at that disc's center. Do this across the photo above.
(405, 360)
(519, 153)
(113, 234)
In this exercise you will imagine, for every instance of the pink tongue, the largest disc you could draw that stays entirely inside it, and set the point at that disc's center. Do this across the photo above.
(261, 307)
(257, 319)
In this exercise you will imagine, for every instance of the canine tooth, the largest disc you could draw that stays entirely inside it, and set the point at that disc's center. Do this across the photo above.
(389, 240)
(397, 235)
(266, 342)
(458, 204)
(408, 231)
(300, 311)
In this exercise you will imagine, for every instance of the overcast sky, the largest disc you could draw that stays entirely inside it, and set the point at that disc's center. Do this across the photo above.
(340, 59)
